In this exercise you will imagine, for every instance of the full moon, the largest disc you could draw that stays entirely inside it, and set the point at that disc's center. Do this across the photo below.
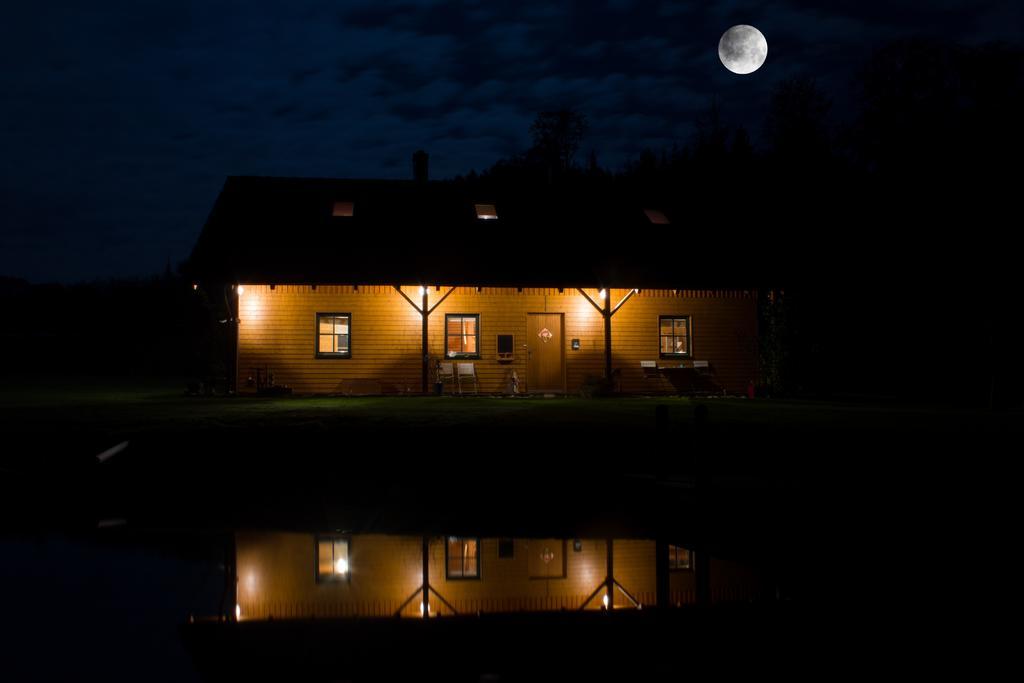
(742, 49)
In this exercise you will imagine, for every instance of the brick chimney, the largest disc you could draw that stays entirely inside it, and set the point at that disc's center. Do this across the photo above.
(420, 166)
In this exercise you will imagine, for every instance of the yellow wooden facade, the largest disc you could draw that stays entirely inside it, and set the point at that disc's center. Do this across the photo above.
(277, 577)
(277, 326)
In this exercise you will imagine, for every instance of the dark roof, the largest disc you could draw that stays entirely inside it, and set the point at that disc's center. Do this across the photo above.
(281, 230)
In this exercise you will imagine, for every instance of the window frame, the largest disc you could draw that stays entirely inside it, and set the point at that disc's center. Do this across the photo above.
(674, 549)
(316, 336)
(479, 552)
(478, 335)
(689, 335)
(333, 577)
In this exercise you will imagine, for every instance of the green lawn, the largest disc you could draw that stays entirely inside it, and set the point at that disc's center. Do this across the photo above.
(131, 406)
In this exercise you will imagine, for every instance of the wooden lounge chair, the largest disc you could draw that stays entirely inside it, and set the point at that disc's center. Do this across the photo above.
(467, 374)
(446, 374)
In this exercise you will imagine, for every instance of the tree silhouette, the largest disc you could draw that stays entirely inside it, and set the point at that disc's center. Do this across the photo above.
(796, 127)
(940, 110)
(557, 136)
(711, 138)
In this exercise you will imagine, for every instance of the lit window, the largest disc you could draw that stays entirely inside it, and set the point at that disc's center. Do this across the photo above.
(331, 558)
(463, 335)
(656, 217)
(486, 212)
(675, 336)
(679, 557)
(462, 558)
(333, 335)
(343, 209)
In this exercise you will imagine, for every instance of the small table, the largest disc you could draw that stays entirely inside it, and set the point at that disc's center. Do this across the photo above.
(682, 379)
(690, 380)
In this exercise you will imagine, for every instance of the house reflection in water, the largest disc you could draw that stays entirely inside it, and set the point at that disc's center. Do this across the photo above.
(286, 575)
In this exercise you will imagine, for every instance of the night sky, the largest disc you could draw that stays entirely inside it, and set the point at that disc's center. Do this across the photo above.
(120, 120)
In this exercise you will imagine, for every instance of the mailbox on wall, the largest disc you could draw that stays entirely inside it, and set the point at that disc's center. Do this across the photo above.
(506, 347)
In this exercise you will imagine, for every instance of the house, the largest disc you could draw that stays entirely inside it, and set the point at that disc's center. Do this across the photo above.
(344, 547)
(324, 605)
(366, 286)
(282, 575)
(371, 555)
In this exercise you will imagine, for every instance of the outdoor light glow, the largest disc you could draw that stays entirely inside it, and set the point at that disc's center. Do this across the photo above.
(241, 290)
(423, 291)
(421, 608)
(341, 566)
(251, 308)
(194, 286)
(238, 611)
(602, 294)
(605, 600)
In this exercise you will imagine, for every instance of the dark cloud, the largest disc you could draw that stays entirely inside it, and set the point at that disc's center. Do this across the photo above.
(121, 119)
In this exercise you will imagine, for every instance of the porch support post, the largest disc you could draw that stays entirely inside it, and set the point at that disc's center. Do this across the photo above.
(607, 313)
(590, 301)
(426, 353)
(629, 295)
(424, 316)
(426, 572)
(661, 572)
(610, 579)
(229, 598)
(701, 555)
(231, 303)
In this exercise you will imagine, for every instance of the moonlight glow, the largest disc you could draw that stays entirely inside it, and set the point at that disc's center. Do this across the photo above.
(742, 49)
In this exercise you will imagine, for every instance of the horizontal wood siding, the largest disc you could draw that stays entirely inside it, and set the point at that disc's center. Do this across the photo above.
(724, 332)
(276, 577)
(277, 332)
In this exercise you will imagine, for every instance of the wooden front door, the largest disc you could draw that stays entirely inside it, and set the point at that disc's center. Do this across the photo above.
(545, 364)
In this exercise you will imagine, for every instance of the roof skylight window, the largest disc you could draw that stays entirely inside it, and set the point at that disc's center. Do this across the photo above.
(486, 212)
(343, 209)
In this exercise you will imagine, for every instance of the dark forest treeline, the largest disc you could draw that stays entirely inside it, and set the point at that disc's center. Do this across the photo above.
(925, 158)
(885, 236)
(886, 233)
(125, 328)
(925, 116)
